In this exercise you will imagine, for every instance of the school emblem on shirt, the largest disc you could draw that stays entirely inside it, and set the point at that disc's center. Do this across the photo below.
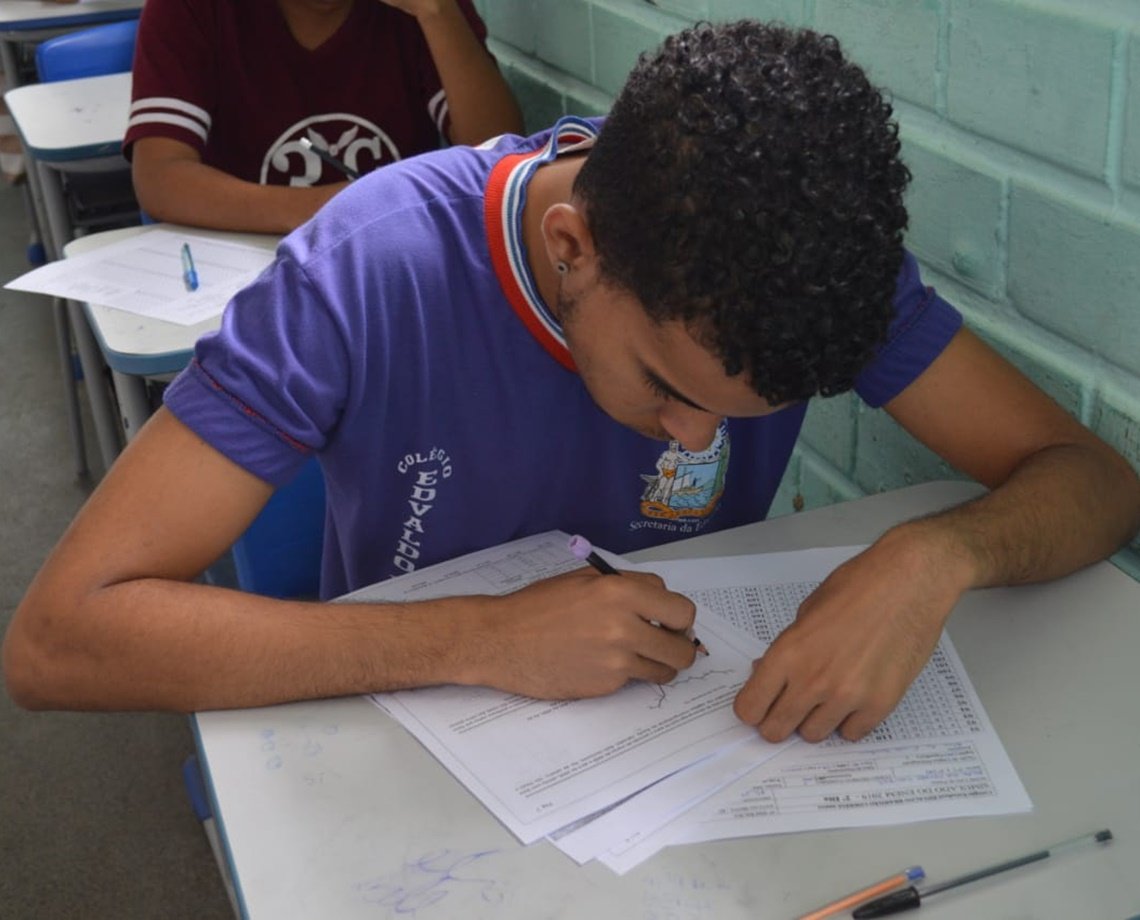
(356, 142)
(687, 485)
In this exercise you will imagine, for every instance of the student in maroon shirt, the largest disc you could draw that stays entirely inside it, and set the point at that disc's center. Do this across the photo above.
(230, 97)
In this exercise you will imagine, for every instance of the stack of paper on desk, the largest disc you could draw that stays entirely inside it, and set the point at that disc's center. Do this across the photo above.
(620, 777)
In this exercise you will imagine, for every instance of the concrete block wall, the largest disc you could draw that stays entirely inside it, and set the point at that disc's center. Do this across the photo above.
(1020, 121)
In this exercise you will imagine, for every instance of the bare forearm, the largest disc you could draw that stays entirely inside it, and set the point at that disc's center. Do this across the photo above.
(156, 644)
(479, 101)
(197, 195)
(1063, 508)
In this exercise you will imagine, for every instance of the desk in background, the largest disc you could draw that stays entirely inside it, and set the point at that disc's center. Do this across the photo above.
(70, 125)
(73, 124)
(139, 347)
(27, 22)
(330, 809)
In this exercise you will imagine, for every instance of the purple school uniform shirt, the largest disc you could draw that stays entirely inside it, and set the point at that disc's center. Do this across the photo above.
(399, 336)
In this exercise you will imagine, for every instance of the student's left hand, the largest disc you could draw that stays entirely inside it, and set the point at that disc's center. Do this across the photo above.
(1060, 499)
(857, 642)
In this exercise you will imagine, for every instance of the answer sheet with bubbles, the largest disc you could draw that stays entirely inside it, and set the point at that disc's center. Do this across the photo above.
(936, 756)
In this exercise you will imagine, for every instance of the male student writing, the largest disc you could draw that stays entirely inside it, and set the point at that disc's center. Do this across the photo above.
(226, 94)
(481, 344)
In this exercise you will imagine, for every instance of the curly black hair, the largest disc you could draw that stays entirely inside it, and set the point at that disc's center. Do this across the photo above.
(747, 182)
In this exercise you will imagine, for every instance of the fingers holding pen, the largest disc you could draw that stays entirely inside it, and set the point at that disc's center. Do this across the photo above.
(582, 634)
(654, 621)
(581, 548)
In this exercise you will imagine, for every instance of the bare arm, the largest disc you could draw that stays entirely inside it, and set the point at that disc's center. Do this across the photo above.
(479, 101)
(112, 621)
(173, 184)
(1061, 499)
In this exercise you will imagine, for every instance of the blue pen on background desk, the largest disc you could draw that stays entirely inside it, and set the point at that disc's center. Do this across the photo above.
(189, 272)
(580, 548)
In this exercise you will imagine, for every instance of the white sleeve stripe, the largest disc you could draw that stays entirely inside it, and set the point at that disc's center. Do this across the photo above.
(175, 105)
(166, 118)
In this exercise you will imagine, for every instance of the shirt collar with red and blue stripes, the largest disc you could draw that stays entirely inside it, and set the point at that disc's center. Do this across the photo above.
(504, 202)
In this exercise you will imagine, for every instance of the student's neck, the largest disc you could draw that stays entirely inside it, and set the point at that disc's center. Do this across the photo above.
(314, 22)
(551, 184)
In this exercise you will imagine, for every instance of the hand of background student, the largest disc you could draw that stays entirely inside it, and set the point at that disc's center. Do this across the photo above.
(857, 643)
(480, 105)
(584, 634)
(417, 7)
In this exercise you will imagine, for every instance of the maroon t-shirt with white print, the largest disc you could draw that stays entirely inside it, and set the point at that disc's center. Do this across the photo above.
(228, 78)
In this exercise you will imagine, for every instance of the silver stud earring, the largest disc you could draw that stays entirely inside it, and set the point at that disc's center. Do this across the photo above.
(562, 267)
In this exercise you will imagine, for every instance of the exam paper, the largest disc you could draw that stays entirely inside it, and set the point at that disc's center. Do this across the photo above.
(142, 274)
(540, 765)
(936, 756)
(636, 818)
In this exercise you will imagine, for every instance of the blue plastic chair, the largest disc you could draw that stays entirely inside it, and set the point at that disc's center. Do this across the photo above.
(279, 555)
(89, 52)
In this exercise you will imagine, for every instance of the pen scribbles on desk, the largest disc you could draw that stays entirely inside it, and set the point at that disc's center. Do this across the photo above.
(302, 752)
(675, 896)
(430, 879)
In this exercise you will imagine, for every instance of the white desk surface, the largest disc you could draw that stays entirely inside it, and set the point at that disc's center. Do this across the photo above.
(330, 809)
(142, 345)
(29, 15)
(72, 119)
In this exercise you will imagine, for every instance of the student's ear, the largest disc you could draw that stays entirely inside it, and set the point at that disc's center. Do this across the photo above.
(567, 237)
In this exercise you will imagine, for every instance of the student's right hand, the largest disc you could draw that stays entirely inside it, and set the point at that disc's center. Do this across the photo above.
(584, 634)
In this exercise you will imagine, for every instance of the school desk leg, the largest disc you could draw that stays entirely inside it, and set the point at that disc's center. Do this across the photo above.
(104, 413)
(134, 406)
(71, 395)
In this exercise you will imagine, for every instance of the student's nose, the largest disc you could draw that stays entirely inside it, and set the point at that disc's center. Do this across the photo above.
(694, 428)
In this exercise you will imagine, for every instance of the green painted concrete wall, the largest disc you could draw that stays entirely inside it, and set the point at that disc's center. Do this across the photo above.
(1020, 121)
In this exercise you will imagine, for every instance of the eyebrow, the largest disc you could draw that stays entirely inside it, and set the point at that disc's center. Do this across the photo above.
(657, 383)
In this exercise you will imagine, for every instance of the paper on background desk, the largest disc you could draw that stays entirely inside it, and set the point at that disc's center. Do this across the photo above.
(143, 274)
(936, 756)
(540, 765)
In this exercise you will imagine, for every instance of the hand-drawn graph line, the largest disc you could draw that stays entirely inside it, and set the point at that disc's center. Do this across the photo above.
(661, 691)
